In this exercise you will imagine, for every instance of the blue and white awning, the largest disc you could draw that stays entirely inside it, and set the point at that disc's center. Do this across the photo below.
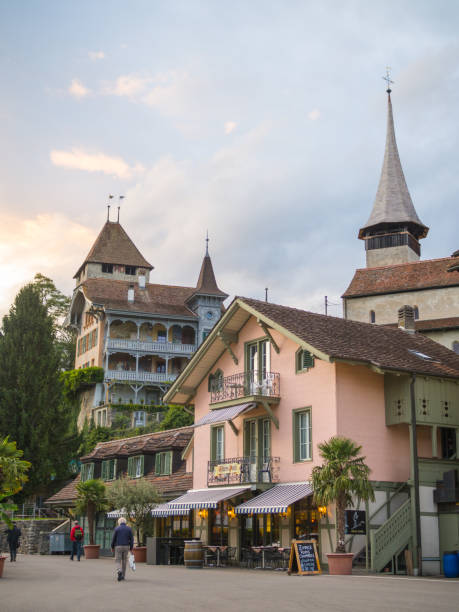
(277, 499)
(116, 513)
(224, 414)
(206, 498)
(165, 510)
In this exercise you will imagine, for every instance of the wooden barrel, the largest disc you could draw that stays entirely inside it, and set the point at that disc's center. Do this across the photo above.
(193, 555)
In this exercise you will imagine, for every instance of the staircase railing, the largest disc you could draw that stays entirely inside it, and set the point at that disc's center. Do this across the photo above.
(391, 537)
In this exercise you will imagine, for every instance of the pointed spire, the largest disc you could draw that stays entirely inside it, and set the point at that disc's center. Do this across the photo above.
(206, 281)
(393, 206)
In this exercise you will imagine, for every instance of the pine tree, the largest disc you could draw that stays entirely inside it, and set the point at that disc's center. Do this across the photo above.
(32, 411)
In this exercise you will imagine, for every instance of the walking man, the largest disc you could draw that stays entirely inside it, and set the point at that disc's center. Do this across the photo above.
(12, 537)
(122, 544)
(76, 537)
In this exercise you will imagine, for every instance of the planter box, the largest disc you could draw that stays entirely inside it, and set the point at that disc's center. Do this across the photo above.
(140, 554)
(340, 564)
(2, 563)
(91, 551)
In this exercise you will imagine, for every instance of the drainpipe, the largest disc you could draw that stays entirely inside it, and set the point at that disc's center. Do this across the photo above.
(415, 505)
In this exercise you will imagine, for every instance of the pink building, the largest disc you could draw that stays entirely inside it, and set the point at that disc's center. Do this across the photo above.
(271, 382)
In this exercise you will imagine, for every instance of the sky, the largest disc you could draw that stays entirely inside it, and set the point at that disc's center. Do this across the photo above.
(260, 122)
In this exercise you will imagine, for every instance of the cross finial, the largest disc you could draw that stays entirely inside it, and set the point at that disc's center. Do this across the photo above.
(387, 79)
(207, 243)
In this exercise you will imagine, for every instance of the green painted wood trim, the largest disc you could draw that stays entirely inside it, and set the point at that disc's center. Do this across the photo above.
(271, 414)
(264, 327)
(213, 440)
(228, 348)
(294, 435)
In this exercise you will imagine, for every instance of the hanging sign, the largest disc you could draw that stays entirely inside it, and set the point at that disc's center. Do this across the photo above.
(355, 522)
(304, 559)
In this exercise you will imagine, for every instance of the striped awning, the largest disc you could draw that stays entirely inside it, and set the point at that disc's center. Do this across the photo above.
(206, 498)
(166, 510)
(277, 499)
(224, 414)
(116, 513)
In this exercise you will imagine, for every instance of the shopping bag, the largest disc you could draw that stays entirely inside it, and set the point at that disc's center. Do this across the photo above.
(132, 562)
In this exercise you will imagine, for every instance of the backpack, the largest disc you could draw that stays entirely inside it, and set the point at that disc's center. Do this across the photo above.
(78, 534)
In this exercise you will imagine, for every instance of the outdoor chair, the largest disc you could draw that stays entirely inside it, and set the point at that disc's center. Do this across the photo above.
(273, 558)
(210, 557)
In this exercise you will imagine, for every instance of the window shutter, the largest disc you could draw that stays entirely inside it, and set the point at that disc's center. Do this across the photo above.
(168, 463)
(158, 463)
(308, 360)
(246, 439)
(105, 469)
(130, 466)
(296, 437)
(213, 443)
(114, 469)
(142, 465)
(91, 471)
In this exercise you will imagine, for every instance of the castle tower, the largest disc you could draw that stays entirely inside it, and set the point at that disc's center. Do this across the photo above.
(393, 231)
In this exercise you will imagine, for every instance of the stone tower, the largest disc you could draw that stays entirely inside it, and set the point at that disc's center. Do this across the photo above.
(393, 231)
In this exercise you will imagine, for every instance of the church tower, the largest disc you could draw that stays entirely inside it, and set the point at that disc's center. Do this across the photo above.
(393, 231)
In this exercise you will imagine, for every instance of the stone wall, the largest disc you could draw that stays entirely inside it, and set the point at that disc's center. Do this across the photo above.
(34, 535)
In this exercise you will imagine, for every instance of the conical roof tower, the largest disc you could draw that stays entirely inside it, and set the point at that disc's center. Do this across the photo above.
(393, 231)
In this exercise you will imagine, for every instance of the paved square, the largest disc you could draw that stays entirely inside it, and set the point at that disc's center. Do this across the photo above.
(55, 584)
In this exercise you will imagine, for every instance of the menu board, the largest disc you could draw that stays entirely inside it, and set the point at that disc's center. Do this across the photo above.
(304, 559)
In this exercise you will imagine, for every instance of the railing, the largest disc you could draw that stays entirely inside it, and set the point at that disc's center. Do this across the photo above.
(243, 384)
(139, 376)
(391, 537)
(150, 347)
(238, 470)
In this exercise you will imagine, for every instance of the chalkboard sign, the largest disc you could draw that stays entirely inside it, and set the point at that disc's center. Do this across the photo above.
(304, 559)
(355, 522)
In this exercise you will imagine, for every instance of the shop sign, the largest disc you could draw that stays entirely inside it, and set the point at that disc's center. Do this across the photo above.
(227, 469)
(355, 522)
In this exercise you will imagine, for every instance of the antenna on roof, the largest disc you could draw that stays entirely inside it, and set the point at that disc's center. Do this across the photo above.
(387, 79)
(266, 294)
(119, 199)
(110, 197)
(207, 243)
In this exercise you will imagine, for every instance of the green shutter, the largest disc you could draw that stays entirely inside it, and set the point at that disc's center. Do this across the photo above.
(158, 463)
(114, 469)
(213, 443)
(246, 438)
(308, 360)
(168, 467)
(130, 467)
(104, 470)
(296, 437)
(142, 465)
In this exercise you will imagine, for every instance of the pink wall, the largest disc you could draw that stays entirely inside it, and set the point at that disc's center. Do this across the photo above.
(344, 399)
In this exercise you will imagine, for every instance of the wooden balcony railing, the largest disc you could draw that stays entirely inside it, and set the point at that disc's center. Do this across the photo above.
(244, 384)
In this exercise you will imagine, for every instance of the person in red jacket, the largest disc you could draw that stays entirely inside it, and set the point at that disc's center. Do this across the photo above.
(76, 536)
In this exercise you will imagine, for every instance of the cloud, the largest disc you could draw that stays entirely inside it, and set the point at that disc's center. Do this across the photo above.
(50, 243)
(78, 90)
(96, 55)
(78, 159)
(230, 126)
(314, 114)
(129, 85)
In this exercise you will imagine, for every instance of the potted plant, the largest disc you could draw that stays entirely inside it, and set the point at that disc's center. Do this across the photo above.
(137, 498)
(342, 478)
(90, 501)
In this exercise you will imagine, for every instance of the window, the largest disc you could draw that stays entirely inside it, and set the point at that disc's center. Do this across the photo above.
(205, 333)
(87, 471)
(107, 268)
(163, 463)
(257, 365)
(217, 450)
(108, 469)
(136, 466)
(302, 446)
(416, 313)
(304, 360)
(161, 335)
(257, 449)
(139, 418)
(101, 418)
(372, 316)
(130, 270)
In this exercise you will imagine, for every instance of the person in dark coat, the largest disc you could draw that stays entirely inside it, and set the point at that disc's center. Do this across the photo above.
(122, 544)
(12, 537)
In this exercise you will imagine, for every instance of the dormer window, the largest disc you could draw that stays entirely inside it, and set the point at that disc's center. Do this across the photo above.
(107, 268)
(130, 270)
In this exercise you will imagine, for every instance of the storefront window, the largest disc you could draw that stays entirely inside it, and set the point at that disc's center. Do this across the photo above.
(261, 530)
(174, 526)
(306, 519)
(219, 525)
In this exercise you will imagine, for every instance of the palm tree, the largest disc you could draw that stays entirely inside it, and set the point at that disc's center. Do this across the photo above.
(342, 478)
(12, 476)
(90, 501)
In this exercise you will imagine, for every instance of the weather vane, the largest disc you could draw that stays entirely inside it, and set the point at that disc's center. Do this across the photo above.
(387, 79)
(207, 242)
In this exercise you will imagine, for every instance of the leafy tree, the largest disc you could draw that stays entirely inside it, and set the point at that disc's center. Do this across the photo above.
(342, 477)
(136, 498)
(13, 475)
(57, 305)
(90, 500)
(31, 408)
(176, 416)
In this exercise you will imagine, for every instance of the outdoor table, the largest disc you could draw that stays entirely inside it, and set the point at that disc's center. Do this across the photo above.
(217, 550)
(262, 549)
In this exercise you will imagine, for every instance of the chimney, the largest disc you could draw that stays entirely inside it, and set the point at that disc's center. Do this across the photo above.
(406, 319)
(141, 281)
(131, 293)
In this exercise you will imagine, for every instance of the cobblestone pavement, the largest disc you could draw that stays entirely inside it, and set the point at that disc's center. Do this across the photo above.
(53, 583)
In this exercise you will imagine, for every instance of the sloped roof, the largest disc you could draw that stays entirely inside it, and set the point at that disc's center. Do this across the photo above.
(427, 274)
(342, 339)
(114, 246)
(433, 324)
(206, 281)
(393, 204)
(154, 299)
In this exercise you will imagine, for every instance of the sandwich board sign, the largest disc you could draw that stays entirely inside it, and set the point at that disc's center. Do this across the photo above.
(304, 559)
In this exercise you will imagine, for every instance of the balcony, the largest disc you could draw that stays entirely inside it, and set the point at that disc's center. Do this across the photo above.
(245, 470)
(251, 384)
(143, 377)
(151, 347)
